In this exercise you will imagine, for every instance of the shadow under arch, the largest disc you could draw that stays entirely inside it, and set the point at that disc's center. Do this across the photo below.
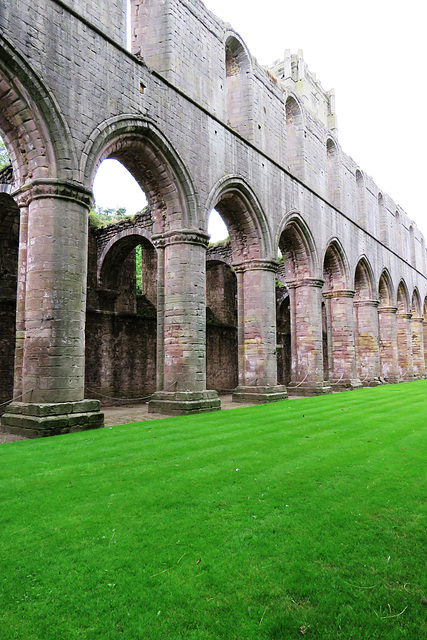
(404, 332)
(116, 250)
(387, 328)
(335, 266)
(157, 167)
(364, 281)
(386, 293)
(247, 223)
(34, 130)
(299, 247)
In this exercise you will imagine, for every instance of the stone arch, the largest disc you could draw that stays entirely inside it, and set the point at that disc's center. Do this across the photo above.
(398, 225)
(366, 324)
(116, 250)
(294, 118)
(341, 362)
(335, 267)
(425, 331)
(385, 289)
(404, 333)
(33, 129)
(333, 173)
(299, 309)
(387, 328)
(153, 162)
(382, 218)
(298, 248)
(238, 94)
(416, 303)
(418, 347)
(412, 256)
(247, 223)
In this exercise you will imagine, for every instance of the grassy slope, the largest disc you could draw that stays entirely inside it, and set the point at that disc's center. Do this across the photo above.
(302, 518)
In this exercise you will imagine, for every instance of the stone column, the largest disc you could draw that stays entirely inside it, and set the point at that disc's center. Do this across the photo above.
(51, 314)
(425, 342)
(306, 338)
(341, 351)
(257, 333)
(20, 298)
(389, 370)
(404, 345)
(367, 342)
(418, 361)
(181, 327)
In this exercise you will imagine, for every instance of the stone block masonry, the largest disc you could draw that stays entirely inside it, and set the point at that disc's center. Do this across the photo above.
(200, 125)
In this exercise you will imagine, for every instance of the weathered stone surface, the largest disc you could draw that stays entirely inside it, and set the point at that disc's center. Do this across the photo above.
(201, 125)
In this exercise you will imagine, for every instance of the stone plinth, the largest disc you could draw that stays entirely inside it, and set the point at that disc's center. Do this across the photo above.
(184, 402)
(49, 419)
(260, 395)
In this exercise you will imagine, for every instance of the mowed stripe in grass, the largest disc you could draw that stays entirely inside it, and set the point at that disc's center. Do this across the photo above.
(302, 518)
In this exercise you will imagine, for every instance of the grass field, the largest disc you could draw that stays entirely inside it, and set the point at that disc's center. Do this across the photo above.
(299, 519)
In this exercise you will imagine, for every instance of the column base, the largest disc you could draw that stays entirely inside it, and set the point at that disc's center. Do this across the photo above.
(260, 395)
(346, 385)
(309, 388)
(34, 420)
(181, 403)
(371, 382)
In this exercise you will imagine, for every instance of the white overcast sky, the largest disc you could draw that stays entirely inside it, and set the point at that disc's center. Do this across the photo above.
(373, 53)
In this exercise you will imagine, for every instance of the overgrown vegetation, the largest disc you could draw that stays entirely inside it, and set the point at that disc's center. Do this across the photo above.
(4, 156)
(101, 216)
(304, 518)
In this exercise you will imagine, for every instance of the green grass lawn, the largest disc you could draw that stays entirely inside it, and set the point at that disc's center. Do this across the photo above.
(299, 519)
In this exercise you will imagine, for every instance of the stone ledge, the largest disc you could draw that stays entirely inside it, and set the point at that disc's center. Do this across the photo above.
(260, 395)
(40, 420)
(309, 389)
(184, 402)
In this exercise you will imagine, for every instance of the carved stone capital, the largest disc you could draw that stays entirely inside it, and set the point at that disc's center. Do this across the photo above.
(404, 315)
(256, 265)
(315, 283)
(366, 303)
(181, 236)
(339, 293)
(390, 310)
(52, 188)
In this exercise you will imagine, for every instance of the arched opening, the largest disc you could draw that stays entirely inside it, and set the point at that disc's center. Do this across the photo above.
(412, 256)
(398, 226)
(294, 137)
(299, 331)
(387, 330)
(238, 87)
(360, 200)
(333, 173)
(417, 337)
(121, 314)
(249, 250)
(365, 325)
(404, 334)
(382, 219)
(339, 319)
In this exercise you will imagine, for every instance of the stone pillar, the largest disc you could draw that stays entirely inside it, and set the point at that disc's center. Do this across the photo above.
(341, 351)
(389, 370)
(367, 342)
(306, 338)
(256, 317)
(425, 342)
(181, 327)
(404, 345)
(52, 270)
(418, 362)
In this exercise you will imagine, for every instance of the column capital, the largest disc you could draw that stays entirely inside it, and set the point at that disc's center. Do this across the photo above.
(391, 310)
(316, 283)
(339, 293)
(255, 265)
(181, 236)
(404, 315)
(366, 303)
(53, 188)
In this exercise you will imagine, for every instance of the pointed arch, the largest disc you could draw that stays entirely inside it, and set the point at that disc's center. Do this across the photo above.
(238, 71)
(297, 245)
(385, 289)
(34, 131)
(402, 299)
(335, 267)
(360, 199)
(333, 173)
(364, 280)
(294, 119)
(157, 167)
(242, 212)
(416, 304)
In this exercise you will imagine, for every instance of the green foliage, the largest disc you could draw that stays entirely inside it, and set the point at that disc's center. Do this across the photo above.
(139, 269)
(4, 156)
(299, 518)
(101, 217)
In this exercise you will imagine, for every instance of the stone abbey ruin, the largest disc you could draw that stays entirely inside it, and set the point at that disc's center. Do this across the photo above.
(321, 286)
